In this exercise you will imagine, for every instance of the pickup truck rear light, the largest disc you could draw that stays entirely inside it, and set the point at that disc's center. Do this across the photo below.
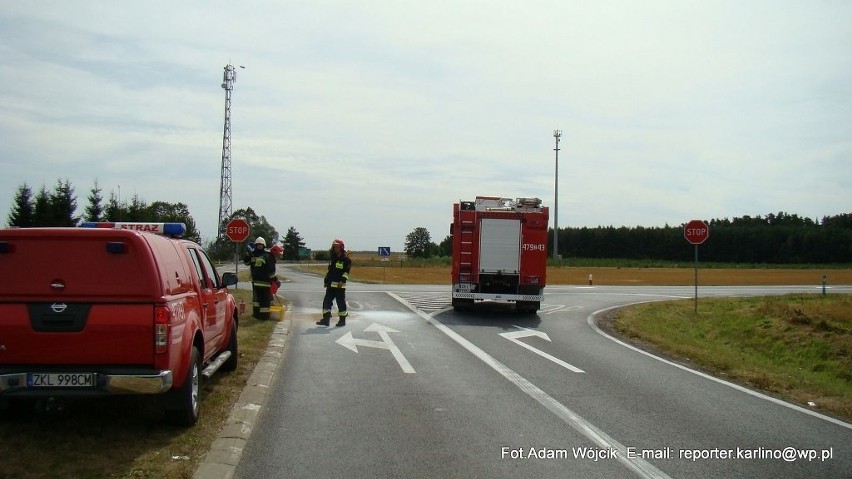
(162, 323)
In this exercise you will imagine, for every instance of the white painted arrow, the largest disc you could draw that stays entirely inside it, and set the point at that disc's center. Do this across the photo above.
(352, 343)
(515, 337)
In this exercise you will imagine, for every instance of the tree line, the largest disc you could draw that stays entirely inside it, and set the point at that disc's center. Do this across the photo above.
(59, 208)
(781, 238)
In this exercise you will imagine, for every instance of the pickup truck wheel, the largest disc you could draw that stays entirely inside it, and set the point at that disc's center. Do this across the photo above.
(233, 347)
(186, 398)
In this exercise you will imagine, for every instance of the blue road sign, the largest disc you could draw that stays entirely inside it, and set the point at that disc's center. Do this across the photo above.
(384, 251)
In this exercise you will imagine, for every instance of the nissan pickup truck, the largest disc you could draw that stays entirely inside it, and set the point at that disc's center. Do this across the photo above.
(112, 308)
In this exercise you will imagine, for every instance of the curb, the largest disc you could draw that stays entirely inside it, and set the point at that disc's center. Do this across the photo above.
(225, 453)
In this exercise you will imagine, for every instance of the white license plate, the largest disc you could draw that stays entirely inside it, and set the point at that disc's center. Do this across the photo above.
(61, 380)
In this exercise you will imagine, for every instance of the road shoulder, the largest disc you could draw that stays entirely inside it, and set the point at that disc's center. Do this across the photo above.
(224, 455)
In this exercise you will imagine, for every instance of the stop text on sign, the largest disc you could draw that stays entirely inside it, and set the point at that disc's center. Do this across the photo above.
(237, 230)
(696, 232)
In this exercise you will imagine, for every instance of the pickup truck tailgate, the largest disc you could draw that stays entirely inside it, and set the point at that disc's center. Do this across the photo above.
(59, 333)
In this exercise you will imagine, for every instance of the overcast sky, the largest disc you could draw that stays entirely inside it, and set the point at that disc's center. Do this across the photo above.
(365, 120)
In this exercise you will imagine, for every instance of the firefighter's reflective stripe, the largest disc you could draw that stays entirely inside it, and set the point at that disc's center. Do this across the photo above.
(263, 284)
(338, 284)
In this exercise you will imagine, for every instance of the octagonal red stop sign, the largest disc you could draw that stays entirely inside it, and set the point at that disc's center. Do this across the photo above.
(696, 231)
(237, 230)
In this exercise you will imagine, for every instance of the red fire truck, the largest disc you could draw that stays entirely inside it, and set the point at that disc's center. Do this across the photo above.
(499, 251)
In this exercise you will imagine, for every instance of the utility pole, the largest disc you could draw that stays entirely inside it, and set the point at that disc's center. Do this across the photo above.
(225, 201)
(556, 134)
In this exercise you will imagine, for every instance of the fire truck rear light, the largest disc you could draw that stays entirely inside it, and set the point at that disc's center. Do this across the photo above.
(162, 317)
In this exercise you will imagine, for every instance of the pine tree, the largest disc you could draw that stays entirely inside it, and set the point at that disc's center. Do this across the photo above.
(21, 215)
(63, 205)
(41, 209)
(292, 243)
(95, 210)
(113, 210)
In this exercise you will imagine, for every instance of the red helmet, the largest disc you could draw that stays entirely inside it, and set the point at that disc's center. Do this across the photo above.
(338, 242)
(277, 250)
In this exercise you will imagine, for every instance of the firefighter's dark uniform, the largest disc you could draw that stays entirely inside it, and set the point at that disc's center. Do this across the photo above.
(335, 287)
(262, 265)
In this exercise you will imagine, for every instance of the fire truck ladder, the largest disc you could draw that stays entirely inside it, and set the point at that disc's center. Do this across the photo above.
(466, 241)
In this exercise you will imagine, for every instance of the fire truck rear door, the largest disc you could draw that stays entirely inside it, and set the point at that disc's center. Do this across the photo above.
(500, 246)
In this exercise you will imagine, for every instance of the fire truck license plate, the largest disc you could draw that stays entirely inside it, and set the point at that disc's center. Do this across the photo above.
(61, 380)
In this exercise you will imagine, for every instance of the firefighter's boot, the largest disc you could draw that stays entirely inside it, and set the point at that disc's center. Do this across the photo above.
(341, 321)
(326, 319)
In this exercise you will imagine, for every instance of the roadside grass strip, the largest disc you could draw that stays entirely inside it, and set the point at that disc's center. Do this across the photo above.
(796, 346)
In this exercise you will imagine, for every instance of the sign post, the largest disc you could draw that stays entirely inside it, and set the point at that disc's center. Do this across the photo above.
(696, 232)
(237, 230)
(384, 252)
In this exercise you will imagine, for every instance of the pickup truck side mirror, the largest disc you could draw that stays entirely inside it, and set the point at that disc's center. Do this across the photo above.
(229, 279)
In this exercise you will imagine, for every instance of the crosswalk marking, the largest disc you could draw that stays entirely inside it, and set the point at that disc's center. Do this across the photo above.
(427, 302)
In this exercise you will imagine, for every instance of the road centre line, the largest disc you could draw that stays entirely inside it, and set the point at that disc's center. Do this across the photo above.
(639, 466)
(591, 321)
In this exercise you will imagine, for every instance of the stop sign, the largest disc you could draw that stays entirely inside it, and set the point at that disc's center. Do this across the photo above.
(696, 231)
(237, 230)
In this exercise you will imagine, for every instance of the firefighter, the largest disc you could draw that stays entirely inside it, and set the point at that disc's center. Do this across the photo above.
(262, 264)
(335, 284)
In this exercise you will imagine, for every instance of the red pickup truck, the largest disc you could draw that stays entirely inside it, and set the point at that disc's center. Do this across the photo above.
(112, 309)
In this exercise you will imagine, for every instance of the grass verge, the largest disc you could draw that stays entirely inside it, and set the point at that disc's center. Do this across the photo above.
(797, 347)
(126, 437)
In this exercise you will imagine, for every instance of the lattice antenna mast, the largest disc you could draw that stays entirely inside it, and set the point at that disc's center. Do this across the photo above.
(225, 200)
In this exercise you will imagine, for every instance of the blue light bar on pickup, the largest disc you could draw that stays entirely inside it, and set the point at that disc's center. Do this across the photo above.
(165, 229)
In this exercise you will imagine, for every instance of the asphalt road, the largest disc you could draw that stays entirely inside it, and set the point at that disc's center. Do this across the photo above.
(409, 388)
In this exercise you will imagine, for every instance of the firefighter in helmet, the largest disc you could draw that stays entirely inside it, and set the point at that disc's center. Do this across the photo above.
(262, 264)
(335, 284)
